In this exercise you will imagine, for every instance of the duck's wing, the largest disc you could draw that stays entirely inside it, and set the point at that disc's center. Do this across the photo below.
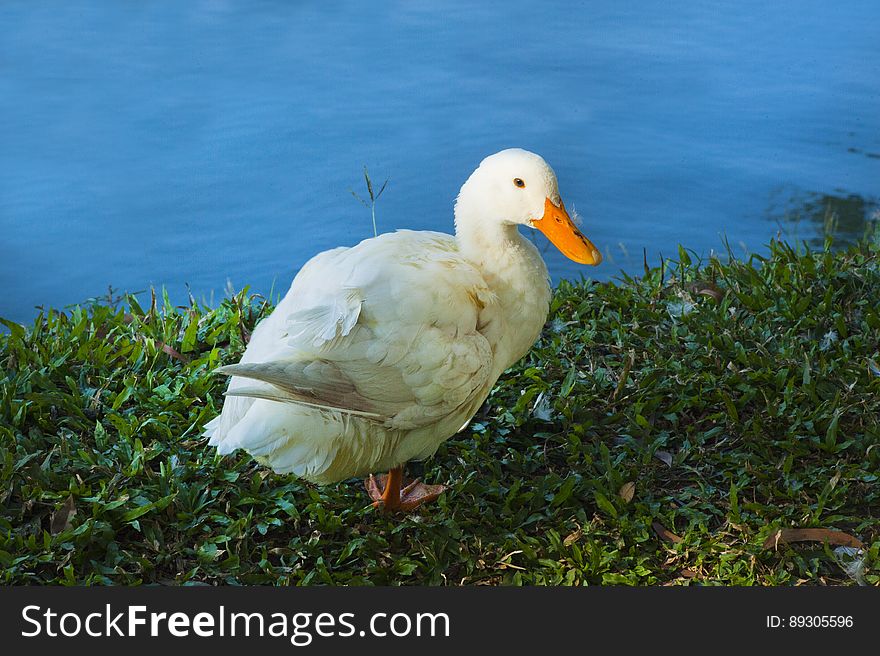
(268, 337)
(389, 331)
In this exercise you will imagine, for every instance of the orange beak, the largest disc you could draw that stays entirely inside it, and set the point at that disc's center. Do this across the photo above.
(558, 227)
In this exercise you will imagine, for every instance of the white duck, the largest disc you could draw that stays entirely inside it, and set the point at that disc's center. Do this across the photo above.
(380, 352)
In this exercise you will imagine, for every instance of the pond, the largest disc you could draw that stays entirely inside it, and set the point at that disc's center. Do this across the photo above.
(218, 142)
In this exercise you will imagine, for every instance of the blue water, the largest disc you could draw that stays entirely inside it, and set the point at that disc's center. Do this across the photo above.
(170, 143)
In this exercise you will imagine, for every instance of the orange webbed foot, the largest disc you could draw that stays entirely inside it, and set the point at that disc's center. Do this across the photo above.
(387, 494)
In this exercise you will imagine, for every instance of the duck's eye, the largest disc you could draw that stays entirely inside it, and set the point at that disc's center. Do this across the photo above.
(519, 182)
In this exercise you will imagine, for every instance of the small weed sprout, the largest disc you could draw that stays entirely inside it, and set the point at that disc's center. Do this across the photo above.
(872, 230)
(373, 197)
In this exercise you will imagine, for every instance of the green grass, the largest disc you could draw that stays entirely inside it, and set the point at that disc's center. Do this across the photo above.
(714, 402)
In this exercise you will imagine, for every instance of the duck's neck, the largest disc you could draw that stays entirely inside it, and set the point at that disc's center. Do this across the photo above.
(487, 240)
(514, 270)
(486, 244)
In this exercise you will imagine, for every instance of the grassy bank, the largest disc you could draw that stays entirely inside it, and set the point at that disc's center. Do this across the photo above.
(663, 430)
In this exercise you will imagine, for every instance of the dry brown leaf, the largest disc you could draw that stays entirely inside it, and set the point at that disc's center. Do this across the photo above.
(627, 491)
(572, 537)
(621, 382)
(664, 533)
(706, 288)
(61, 518)
(712, 292)
(834, 480)
(788, 535)
(664, 456)
(502, 562)
(172, 352)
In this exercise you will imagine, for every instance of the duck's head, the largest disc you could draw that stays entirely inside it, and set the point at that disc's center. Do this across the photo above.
(514, 187)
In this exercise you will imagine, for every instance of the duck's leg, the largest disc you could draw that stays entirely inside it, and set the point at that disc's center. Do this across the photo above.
(391, 497)
(387, 496)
